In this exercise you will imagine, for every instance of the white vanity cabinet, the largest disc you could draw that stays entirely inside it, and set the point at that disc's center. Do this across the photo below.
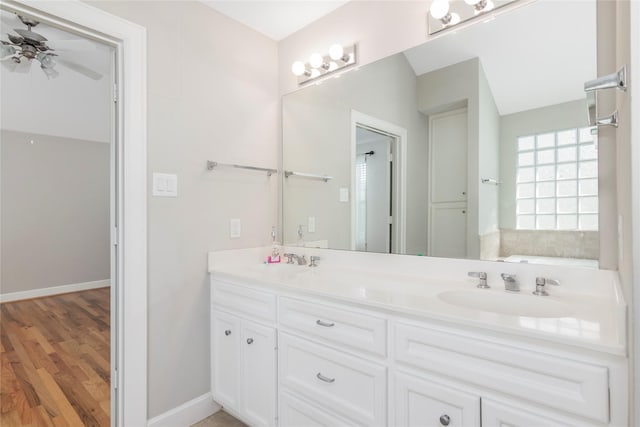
(332, 357)
(243, 353)
(342, 364)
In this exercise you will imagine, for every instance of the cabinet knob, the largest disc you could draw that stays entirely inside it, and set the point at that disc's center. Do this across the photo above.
(464, 211)
(249, 340)
(445, 420)
(464, 193)
(227, 332)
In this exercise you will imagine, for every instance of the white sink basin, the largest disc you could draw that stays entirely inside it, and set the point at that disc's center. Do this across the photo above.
(515, 304)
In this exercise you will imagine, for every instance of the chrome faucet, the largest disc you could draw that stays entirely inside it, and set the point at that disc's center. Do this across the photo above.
(540, 286)
(483, 278)
(510, 282)
(299, 258)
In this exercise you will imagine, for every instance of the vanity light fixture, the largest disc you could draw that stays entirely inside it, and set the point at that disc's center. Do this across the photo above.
(444, 14)
(319, 65)
(440, 10)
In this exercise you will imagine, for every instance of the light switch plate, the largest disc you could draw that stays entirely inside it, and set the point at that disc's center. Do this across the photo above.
(311, 226)
(165, 185)
(344, 194)
(235, 228)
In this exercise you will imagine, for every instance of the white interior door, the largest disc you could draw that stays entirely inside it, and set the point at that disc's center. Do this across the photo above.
(447, 220)
(373, 191)
(448, 139)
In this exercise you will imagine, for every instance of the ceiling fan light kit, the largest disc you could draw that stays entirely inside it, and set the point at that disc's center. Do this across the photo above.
(28, 45)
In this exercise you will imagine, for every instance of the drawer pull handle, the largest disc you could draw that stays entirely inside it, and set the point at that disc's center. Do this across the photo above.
(325, 324)
(249, 340)
(227, 332)
(325, 379)
(445, 420)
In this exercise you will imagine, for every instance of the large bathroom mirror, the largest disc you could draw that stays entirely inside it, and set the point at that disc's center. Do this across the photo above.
(475, 144)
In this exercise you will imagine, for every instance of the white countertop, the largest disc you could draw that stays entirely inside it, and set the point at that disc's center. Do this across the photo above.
(590, 315)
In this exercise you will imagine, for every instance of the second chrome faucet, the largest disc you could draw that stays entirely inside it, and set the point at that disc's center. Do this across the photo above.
(510, 282)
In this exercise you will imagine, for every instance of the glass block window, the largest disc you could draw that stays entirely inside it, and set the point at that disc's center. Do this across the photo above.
(557, 181)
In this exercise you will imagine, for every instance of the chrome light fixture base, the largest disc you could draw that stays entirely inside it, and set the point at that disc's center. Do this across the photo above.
(328, 65)
(461, 12)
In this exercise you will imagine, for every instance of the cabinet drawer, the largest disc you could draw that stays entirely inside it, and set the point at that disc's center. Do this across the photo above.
(296, 413)
(351, 386)
(423, 402)
(570, 386)
(496, 414)
(238, 299)
(344, 327)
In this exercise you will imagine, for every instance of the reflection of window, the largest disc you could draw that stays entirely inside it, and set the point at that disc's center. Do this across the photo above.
(361, 203)
(557, 181)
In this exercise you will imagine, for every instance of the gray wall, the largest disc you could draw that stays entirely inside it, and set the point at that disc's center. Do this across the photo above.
(555, 117)
(54, 211)
(212, 86)
(317, 138)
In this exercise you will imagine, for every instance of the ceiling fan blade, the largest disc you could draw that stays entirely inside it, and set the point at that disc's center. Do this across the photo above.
(79, 69)
(72, 45)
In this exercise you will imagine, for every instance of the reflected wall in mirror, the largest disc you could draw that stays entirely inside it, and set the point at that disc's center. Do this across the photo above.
(473, 145)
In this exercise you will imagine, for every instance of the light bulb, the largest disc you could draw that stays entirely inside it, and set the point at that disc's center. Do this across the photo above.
(439, 8)
(316, 60)
(46, 61)
(298, 68)
(336, 52)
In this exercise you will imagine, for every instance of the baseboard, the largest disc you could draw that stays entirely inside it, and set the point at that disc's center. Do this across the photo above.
(55, 290)
(186, 414)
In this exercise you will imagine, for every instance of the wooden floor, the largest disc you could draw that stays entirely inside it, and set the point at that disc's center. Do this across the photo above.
(55, 360)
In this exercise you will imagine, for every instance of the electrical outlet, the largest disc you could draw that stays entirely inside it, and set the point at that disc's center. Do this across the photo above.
(235, 228)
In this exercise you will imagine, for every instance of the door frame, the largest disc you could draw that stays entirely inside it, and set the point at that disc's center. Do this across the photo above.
(399, 151)
(129, 289)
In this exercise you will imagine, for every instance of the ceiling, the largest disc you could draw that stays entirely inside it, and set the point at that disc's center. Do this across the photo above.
(534, 56)
(275, 19)
(71, 105)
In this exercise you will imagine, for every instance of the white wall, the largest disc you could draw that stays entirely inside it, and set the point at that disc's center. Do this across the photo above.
(55, 211)
(212, 94)
(380, 29)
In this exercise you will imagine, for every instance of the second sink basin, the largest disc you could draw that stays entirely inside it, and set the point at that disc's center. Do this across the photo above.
(514, 304)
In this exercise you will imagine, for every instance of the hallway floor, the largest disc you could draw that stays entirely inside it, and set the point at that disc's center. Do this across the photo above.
(55, 360)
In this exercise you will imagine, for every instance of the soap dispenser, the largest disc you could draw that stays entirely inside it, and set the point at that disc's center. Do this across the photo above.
(274, 258)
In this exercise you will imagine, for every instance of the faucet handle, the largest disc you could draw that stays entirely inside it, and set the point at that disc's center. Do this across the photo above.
(482, 276)
(540, 285)
(312, 260)
(289, 258)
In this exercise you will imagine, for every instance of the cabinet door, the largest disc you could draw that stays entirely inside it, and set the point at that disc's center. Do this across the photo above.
(225, 351)
(495, 414)
(448, 231)
(420, 402)
(258, 355)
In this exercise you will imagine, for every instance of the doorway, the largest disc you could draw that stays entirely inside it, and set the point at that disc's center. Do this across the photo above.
(373, 195)
(378, 185)
(129, 283)
(58, 191)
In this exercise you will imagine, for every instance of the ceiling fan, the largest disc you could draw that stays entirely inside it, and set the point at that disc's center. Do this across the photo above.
(28, 45)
